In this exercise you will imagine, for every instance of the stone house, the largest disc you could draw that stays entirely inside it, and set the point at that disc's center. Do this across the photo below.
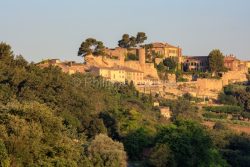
(234, 64)
(166, 50)
(195, 63)
(119, 74)
(165, 112)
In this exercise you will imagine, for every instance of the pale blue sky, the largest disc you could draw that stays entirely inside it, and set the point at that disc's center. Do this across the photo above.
(40, 29)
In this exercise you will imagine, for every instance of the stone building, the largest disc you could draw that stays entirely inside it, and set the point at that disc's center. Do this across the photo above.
(165, 112)
(166, 50)
(231, 63)
(119, 74)
(200, 63)
(143, 75)
(234, 64)
(140, 65)
(195, 63)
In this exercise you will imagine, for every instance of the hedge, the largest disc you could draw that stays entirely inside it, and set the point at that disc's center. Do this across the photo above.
(224, 109)
(214, 115)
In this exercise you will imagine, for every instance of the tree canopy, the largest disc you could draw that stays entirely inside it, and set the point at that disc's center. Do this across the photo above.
(104, 152)
(91, 46)
(128, 41)
(182, 140)
(171, 63)
(216, 61)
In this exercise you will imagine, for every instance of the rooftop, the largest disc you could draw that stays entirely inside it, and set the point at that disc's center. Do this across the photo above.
(162, 45)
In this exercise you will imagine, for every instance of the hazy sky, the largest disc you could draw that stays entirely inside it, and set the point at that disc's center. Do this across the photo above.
(40, 29)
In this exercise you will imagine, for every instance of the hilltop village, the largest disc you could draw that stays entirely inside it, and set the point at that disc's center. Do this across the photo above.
(124, 107)
(140, 66)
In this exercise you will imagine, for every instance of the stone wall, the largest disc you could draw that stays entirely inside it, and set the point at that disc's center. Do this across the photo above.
(171, 78)
(209, 84)
(116, 52)
(206, 86)
(100, 61)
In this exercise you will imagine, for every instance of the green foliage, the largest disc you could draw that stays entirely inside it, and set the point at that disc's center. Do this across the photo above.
(237, 151)
(216, 61)
(132, 57)
(227, 99)
(182, 108)
(4, 159)
(35, 135)
(214, 115)
(179, 77)
(245, 115)
(220, 126)
(141, 37)
(125, 42)
(190, 145)
(128, 42)
(104, 152)
(47, 116)
(161, 68)
(170, 63)
(91, 46)
(236, 95)
(161, 156)
(224, 109)
(136, 142)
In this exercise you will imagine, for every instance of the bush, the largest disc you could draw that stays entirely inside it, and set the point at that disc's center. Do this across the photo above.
(245, 115)
(160, 67)
(220, 126)
(131, 56)
(182, 79)
(227, 99)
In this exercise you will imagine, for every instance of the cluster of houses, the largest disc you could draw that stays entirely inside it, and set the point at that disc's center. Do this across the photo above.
(115, 68)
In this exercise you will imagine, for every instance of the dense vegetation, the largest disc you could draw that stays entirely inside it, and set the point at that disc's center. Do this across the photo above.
(237, 96)
(49, 118)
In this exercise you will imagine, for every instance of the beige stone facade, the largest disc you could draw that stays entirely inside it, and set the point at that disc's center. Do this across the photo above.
(165, 112)
(101, 61)
(119, 74)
